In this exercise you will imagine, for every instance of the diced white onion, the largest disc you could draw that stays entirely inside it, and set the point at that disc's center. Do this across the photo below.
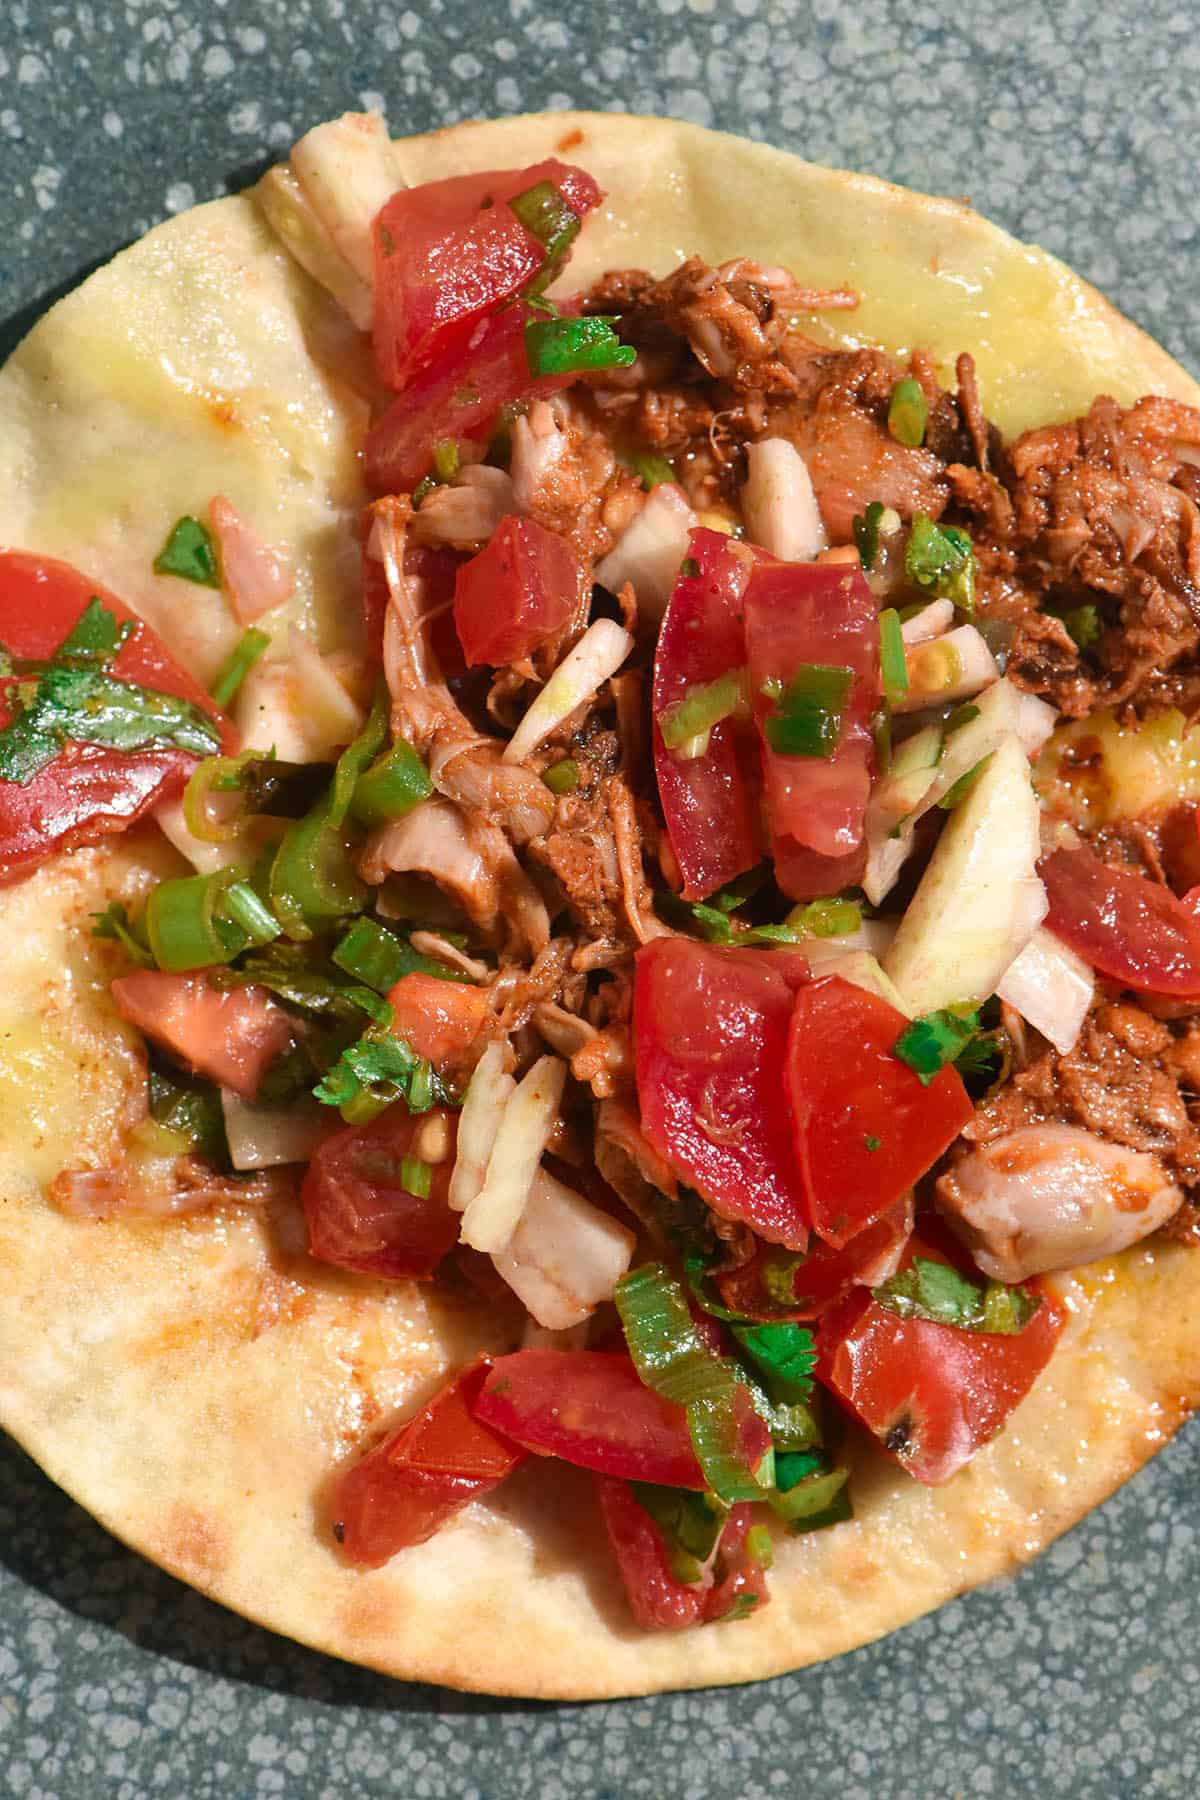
(328, 708)
(1051, 987)
(778, 502)
(873, 936)
(931, 622)
(348, 171)
(565, 1255)
(598, 654)
(650, 550)
(297, 224)
(255, 577)
(525, 1126)
(948, 668)
(483, 1107)
(862, 970)
(262, 1137)
(1036, 720)
(296, 706)
(979, 900)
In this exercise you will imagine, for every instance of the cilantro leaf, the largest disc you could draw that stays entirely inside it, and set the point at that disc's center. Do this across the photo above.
(936, 1292)
(931, 1042)
(189, 553)
(941, 558)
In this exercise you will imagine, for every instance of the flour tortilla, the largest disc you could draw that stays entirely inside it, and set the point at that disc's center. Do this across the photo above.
(194, 1383)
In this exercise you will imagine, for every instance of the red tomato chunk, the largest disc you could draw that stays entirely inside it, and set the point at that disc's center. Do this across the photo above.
(438, 1019)
(359, 1213)
(866, 1128)
(89, 791)
(1128, 927)
(709, 802)
(232, 1035)
(932, 1394)
(449, 252)
(658, 1600)
(590, 1407)
(800, 613)
(710, 1035)
(423, 1473)
(805, 1287)
(522, 589)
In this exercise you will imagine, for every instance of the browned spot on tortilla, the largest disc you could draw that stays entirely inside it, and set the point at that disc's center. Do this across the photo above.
(223, 411)
(572, 141)
(368, 1614)
(193, 1542)
(279, 1301)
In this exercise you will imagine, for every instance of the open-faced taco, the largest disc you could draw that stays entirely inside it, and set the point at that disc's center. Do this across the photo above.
(571, 1120)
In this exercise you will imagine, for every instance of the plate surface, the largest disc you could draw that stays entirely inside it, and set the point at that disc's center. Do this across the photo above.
(1077, 1677)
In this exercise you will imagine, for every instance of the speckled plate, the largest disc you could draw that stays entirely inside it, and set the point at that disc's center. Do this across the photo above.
(1075, 1678)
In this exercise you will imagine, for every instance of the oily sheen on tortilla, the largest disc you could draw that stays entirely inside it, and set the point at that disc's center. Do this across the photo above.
(194, 1382)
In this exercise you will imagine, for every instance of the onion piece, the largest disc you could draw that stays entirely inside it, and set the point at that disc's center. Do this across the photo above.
(948, 668)
(565, 1255)
(873, 936)
(863, 970)
(296, 706)
(297, 224)
(980, 900)
(326, 704)
(537, 1337)
(931, 622)
(650, 550)
(1036, 720)
(598, 654)
(778, 502)
(529, 1116)
(1051, 987)
(348, 171)
(255, 577)
(263, 1137)
(206, 859)
(488, 1091)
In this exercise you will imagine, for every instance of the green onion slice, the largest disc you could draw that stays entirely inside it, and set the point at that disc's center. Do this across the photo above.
(702, 707)
(811, 706)
(313, 880)
(652, 467)
(908, 413)
(544, 213)
(242, 659)
(671, 1358)
(893, 666)
(941, 559)
(866, 533)
(691, 1525)
(567, 346)
(195, 921)
(393, 784)
(562, 777)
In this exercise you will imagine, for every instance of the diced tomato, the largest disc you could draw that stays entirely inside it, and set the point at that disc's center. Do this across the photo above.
(448, 252)
(709, 802)
(1128, 927)
(866, 1128)
(591, 1408)
(439, 1019)
(798, 613)
(521, 590)
(88, 792)
(1179, 837)
(658, 1600)
(932, 1394)
(361, 1216)
(455, 398)
(232, 1035)
(710, 1036)
(422, 1473)
(807, 1286)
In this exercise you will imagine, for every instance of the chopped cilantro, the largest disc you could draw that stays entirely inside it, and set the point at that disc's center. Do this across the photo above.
(872, 1143)
(866, 533)
(189, 553)
(941, 558)
(936, 1292)
(931, 1042)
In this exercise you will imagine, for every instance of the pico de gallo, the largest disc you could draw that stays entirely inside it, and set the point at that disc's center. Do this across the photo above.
(654, 924)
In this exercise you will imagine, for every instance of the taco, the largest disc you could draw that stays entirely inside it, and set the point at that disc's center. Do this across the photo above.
(552, 1060)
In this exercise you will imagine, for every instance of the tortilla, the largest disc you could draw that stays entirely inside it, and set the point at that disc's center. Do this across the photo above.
(193, 1383)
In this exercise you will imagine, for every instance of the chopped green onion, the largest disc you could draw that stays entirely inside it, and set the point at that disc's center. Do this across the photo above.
(445, 459)
(929, 1043)
(381, 959)
(962, 715)
(652, 467)
(691, 1525)
(671, 1358)
(807, 1488)
(215, 775)
(708, 922)
(759, 1547)
(959, 789)
(562, 777)
(809, 719)
(187, 925)
(313, 879)
(114, 923)
(736, 893)
(941, 558)
(422, 491)
(190, 553)
(243, 908)
(96, 636)
(702, 707)
(421, 1088)
(826, 918)
(242, 659)
(564, 346)
(785, 1352)
(794, 1426)
(936, 1292)
(416, 1177)
(190, 1109)
(1083, 622)
(908, 413)
(779, 1276)
(395, 782)
(545, 214)
(893, 667)
(355, 759)
(866, 533)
